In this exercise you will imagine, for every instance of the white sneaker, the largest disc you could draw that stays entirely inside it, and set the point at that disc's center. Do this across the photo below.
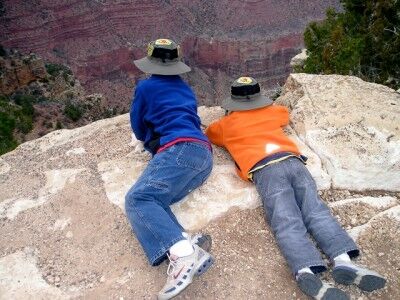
(181, 271)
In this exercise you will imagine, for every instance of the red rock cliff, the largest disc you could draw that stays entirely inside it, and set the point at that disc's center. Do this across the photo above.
(222, 39)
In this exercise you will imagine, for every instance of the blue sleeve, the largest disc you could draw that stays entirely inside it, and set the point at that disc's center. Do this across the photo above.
(136, 115)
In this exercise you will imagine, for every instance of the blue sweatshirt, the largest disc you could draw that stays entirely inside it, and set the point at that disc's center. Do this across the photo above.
(164, 108)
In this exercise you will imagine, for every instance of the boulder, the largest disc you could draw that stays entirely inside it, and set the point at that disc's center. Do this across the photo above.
(352, 125)
(299, 59)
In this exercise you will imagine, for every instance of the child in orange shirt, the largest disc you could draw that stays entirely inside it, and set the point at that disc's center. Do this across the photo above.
(252, 133)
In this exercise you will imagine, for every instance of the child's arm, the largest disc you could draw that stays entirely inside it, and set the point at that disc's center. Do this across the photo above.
(136, 116)
(215, 134)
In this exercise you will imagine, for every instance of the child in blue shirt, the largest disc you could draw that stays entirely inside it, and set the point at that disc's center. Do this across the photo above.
(164, 116)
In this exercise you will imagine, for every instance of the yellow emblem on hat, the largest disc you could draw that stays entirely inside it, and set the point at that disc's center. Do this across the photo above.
(245, 80)
(163, 42)
(150, 49)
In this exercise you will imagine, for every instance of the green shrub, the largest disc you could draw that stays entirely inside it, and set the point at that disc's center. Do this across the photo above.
(363, 40)
(59, 125)
(2, 50)
(14, 117)
(7, 126)
(74, 112)
(25, 123)
(55, 69)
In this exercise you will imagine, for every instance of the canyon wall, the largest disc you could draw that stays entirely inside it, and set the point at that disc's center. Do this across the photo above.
(221, 39)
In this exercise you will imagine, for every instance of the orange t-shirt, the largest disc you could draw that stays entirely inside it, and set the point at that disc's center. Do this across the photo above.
(252, 135)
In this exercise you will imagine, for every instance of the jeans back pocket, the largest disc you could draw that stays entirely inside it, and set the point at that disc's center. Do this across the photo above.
(193, 155)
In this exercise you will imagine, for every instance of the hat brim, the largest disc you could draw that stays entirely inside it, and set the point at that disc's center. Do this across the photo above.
(150, 67)
(259, 101)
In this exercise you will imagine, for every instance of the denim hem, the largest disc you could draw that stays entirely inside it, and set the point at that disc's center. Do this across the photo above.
(164, 250)
(346, 250)
(318, 263)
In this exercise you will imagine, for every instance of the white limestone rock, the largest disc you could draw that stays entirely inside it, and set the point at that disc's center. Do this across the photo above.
(4, 166)
(55, 182)
(376, 202)
(393, 212)
(299, 59)
(20, 278)
(352, 125)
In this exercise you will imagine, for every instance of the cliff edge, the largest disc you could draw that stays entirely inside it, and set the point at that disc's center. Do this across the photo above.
(63, 232)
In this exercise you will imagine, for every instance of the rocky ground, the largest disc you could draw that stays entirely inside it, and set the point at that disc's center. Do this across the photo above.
(63, 234)
(92, 255)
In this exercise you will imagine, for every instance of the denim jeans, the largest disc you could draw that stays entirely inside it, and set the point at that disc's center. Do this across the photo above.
(295, 212)
(169, 177)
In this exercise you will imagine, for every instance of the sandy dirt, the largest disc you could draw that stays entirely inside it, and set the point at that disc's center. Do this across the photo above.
(95, 256)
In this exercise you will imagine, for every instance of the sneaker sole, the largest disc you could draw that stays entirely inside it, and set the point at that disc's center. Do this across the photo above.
(204, 266)
(335, 294)
(365, 281)
(312, 286)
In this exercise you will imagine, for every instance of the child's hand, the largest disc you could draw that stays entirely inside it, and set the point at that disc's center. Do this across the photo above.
(138, 145)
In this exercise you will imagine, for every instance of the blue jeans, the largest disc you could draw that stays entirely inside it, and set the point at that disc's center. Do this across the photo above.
(169, 177)
(294, 211)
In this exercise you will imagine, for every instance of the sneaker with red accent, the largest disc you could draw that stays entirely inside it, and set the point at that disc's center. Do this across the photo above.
(181, 271)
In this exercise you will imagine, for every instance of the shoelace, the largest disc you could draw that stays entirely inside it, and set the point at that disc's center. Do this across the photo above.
(172, 265)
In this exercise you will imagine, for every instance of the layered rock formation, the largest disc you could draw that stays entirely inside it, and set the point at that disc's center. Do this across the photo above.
(18, 71)
(222, 39)
(63, 232)
(37, 97)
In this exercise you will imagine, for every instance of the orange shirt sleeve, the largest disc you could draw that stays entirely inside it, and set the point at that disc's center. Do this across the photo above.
(215, 134)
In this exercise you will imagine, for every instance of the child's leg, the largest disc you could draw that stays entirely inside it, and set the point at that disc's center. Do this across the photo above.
(319, 221)
(285, 219)
(147, 202)
(328, 233)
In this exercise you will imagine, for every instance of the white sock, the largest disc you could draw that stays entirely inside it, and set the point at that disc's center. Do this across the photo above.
(181, 248)
(344, 258)
(304, 270)
(185, 235)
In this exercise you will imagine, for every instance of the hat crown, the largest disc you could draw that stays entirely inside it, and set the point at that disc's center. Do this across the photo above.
(245, 88)
(164, 50)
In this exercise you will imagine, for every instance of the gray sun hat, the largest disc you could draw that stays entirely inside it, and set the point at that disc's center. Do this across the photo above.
(245, 95)
(164, 57)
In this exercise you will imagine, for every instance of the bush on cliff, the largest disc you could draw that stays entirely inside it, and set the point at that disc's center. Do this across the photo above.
(55, 69)
(363, 40)
(14, 117)
(2, 51)
(7, 125)
(73, 111)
